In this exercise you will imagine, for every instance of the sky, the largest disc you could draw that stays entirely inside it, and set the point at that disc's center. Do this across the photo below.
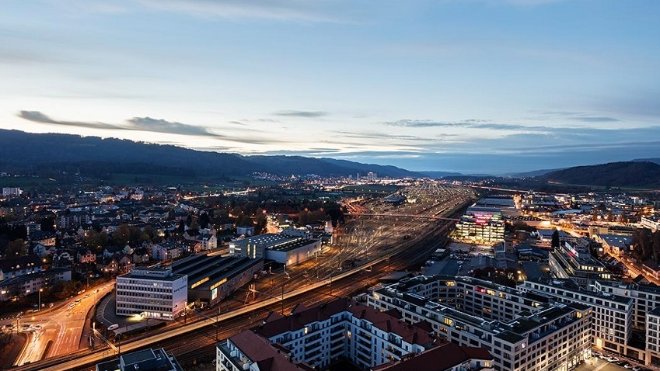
(475, 86)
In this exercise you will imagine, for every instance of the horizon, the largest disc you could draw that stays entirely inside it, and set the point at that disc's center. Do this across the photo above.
(477, 87)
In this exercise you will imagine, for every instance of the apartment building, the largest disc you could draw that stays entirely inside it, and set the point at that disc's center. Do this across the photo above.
(314, 338)
(522, 331)
(653, 337)
(249, 351)
(645, 298)
(151, 292)
(612, 318)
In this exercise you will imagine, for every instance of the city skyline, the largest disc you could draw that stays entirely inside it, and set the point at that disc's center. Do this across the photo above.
(482, 86)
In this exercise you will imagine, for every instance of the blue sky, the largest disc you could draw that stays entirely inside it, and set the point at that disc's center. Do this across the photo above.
(479, 86)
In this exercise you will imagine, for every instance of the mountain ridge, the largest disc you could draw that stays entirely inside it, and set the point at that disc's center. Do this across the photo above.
(95, 156)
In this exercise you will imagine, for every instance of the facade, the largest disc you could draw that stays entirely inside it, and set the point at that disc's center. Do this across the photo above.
(11, 192)
(612, 319)
(653, 337)
(249, 351)
(614, 244)
(651, 222)
(316, 337)
(152, 292)
(522, 331)
(211, 278)
(281, 248)
(17, 267)
(573, 260)
(482, 225)
(31, 283)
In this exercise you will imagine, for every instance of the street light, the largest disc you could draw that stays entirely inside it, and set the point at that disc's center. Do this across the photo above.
(40, 290)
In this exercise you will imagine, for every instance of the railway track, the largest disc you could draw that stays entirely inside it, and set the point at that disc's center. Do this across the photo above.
(199, 343)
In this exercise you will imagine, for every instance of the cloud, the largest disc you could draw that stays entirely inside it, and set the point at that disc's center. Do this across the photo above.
(169, 127)
(305, 114)
(41, 118)
(135, 123)
(596, 119)
(469, 124)
(278, 10)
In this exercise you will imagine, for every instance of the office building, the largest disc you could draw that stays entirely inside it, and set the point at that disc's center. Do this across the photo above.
(151, 292)
(481, 225)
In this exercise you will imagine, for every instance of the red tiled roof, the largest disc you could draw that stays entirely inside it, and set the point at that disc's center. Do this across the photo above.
(260, 350)
(439, 358)
(387, 321)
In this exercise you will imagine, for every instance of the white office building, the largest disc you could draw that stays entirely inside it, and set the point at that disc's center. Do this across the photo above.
(152, 292)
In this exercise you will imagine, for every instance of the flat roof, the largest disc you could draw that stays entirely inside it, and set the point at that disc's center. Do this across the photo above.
(212, 268)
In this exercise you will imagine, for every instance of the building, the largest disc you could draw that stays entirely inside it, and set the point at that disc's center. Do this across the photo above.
(612, 319)
(249, 351)
(573, 260)
(151, 292)
(281, 248)
(614, 244)
(342, 329)
(651, 222)
(146, 359)
(11, 192)
(481, 225)
(521, 331)
(645, 298)
(653, 337)
(317, 337)
(444, 357)
(21, 266)
(211, 278)
(28, 284)
(245, 230)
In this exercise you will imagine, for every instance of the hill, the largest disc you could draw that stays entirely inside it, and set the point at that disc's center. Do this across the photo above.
(51, 154)
(615, 174)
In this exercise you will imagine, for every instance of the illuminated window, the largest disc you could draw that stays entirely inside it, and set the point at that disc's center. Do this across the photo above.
(448, 321)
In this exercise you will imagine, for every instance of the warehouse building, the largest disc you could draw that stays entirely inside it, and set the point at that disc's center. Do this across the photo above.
(211, 278)
(280, 248)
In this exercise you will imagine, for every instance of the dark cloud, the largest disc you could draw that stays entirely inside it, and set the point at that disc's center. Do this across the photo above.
(169, 127)
(305, 114)
(136, 123)
(40, 117)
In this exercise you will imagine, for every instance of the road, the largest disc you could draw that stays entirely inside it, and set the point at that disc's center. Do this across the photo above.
(60, 326)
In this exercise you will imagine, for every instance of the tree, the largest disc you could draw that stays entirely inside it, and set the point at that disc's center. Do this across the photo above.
(16, 248)
(204, 220)
(555, 239)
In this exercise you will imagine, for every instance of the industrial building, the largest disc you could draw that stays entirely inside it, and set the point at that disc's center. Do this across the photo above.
(153, 292)
(211, 278)
(281, 248)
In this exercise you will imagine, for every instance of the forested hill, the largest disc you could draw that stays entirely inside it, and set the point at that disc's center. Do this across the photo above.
(642, 174)
(92, 156)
